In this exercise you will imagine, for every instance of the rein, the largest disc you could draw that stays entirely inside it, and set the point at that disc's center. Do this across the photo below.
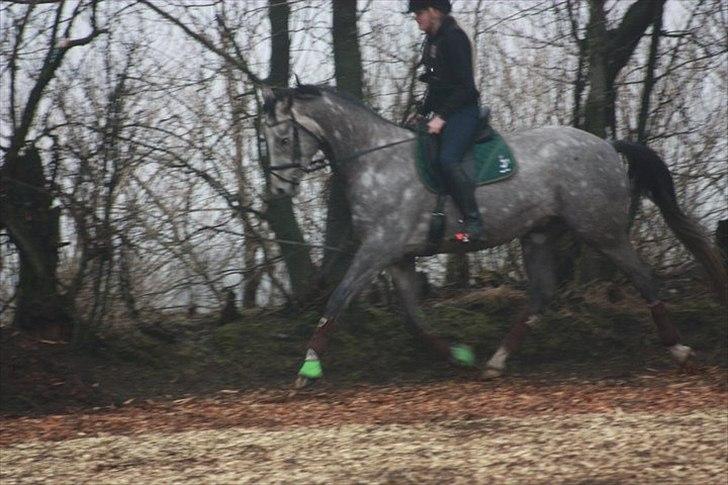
(318, 163)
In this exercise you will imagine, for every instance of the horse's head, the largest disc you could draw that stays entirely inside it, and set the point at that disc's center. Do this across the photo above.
(292, 137)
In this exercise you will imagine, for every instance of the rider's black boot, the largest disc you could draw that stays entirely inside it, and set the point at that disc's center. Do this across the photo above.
(462, 190)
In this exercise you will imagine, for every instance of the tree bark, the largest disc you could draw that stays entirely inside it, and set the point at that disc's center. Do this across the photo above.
(649, 82)
(596, 107)
(33, 226)
(457, 271)
(280, 65)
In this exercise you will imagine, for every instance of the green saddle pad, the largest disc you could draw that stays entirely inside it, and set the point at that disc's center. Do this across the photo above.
(486, 162)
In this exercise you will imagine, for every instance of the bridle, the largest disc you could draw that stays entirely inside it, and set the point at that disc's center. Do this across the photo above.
(318, 163)
(314, 165)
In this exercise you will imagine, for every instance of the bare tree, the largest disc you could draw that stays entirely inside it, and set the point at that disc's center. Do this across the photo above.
(27, 213)
(149, 143)
(279, 212)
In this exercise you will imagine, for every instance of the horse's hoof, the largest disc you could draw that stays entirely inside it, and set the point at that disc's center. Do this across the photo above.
(682, 355)
(490, 373)
(301, 382)
(686, 359)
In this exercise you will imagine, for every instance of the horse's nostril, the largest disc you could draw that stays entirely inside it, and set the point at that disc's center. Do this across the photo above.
(280, 191)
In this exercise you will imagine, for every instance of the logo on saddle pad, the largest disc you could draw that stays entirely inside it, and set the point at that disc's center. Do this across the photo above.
(504, 164)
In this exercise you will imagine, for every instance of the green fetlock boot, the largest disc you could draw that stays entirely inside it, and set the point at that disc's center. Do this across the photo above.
(462, 355)
(311, 368)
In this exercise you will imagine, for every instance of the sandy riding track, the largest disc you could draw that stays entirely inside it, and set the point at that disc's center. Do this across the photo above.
(658, 427)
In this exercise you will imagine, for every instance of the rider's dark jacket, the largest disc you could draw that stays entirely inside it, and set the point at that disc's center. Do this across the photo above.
(448, 61)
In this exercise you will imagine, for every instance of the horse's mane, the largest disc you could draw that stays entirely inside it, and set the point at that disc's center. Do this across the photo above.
(310, 91)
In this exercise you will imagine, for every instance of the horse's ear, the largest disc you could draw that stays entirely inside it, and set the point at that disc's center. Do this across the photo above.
(271, 98)
(307, 91)
(287, 102)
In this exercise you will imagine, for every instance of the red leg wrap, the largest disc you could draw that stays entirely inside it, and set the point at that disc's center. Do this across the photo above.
(515, 335)
(320, 338)
(438, 344)
(668, 333)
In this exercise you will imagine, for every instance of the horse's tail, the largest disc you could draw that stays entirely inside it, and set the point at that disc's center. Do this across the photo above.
(649, 176)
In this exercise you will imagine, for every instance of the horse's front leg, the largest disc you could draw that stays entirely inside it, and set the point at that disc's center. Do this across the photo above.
(368, 262)
(405, 280)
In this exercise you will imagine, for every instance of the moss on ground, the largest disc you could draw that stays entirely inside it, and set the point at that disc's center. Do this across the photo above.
(371, 344)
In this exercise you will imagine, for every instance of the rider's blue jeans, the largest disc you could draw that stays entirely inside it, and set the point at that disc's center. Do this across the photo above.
(457, 134)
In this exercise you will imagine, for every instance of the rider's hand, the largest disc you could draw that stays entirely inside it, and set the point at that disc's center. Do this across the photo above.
(434, 127)
(413, 119)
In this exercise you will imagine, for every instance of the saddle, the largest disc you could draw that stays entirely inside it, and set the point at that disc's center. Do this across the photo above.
(487, 160)
(483, 133)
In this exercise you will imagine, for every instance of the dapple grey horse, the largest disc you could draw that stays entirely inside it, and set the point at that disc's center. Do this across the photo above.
(565, 178)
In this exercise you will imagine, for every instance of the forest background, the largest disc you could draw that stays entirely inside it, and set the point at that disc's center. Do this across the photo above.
(133, 181)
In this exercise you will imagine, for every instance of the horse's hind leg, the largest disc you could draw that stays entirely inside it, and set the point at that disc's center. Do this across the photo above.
(623, 254)
(539, 259)
(405, 280)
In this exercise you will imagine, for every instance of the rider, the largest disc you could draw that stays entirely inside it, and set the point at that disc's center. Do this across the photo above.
(453, 101)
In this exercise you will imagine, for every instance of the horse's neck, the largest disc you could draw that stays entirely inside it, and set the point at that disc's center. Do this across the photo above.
(355, 140)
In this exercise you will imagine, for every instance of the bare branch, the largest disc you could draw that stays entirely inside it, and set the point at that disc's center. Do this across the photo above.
(202, 39)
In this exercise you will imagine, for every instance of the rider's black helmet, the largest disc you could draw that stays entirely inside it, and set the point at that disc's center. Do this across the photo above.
(442, 5)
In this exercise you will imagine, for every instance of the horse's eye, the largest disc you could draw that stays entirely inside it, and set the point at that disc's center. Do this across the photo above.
(284, 141)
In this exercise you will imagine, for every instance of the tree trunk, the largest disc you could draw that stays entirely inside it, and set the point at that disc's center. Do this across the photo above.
(721, 239)
(649, 82)
(279, 212)
(340, 241)
(347, 55)
(33, 226)
(607, 51)
(252, 273)
(293, 248)
(596, 107)
(458, 271)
